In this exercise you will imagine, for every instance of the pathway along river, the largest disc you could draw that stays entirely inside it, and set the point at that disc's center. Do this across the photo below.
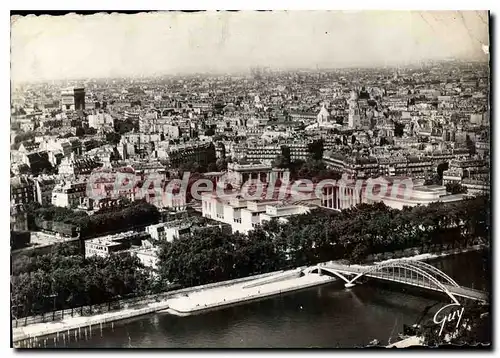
(325, 316)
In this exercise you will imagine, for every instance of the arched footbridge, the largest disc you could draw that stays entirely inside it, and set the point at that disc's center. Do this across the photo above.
(409, 272)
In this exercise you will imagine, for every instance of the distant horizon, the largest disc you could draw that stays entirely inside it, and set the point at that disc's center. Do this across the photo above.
(425, 63)
(145, 45)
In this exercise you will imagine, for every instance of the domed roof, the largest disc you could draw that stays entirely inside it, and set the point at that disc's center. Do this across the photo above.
(323, 112)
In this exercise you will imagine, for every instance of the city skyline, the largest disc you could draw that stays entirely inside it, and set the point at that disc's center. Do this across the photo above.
(161, 43)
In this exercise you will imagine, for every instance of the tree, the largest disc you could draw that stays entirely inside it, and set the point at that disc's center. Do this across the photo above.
(74, 280)
(441, 168)
(113, 137)
(221, 164)
(456, 188)
(316, 150)
(212, 167)
(213, 255)
(398, 129)
(80, 132)
(23, 137)
(470, 145)
(210, 132)
(281, 162)
(433, 180)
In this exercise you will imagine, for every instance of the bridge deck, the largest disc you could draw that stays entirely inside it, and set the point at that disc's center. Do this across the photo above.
(458, 291)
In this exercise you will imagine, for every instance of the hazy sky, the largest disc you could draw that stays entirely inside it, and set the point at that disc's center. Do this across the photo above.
(75, 46)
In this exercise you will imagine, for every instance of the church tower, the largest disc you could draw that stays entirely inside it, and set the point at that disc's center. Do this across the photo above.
(354, 113)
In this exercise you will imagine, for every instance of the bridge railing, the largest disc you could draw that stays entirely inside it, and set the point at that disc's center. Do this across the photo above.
(419, 275)
(473, 289)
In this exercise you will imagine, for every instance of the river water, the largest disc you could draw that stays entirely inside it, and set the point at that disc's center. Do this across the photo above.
(326, 316)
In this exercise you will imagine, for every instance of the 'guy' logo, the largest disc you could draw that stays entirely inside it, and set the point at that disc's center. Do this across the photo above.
(442, 318)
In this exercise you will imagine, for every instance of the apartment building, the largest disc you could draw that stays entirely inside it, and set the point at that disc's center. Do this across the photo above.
(244, 215)
(21, 190)
(43, 186)
(238, 174)
(202, 153)
(110, 244)
(67, 194)
(168, 231)
(101, 121)
(72, 166)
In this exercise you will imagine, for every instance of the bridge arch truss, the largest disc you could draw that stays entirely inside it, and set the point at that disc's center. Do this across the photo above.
(412, 272)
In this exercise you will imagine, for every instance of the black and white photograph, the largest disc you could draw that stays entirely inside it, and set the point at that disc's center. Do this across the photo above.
(251, 179)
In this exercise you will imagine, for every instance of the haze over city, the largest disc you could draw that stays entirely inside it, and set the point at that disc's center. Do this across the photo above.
(147, 44)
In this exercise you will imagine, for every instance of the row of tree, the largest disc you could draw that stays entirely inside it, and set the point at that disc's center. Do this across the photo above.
(215, 256)
(313, 169)
(356, 235)
(65, 279)
(137, 214)
(22, 137)
(196, 167)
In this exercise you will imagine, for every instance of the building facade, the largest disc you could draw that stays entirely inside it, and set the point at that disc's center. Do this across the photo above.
(201, 153)
(101, 121)
(21, 190)
(111, 244)
(238, 174)
(44, 184)
(68, 194)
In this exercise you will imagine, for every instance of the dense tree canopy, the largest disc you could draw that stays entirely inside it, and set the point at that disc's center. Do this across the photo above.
(138, 214)
(64, 279)
(25, 136)
(210, 132)
(355, 234)
(312, 169)
(113, 137)
(316, 149)
(456, 188)
(127, 125)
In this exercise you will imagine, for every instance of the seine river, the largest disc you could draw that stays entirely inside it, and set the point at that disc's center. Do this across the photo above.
(326, 316)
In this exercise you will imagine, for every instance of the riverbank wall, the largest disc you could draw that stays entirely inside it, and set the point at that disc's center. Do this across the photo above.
(31, 336)
(28, 335)
(238, 294)
(416, 255)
